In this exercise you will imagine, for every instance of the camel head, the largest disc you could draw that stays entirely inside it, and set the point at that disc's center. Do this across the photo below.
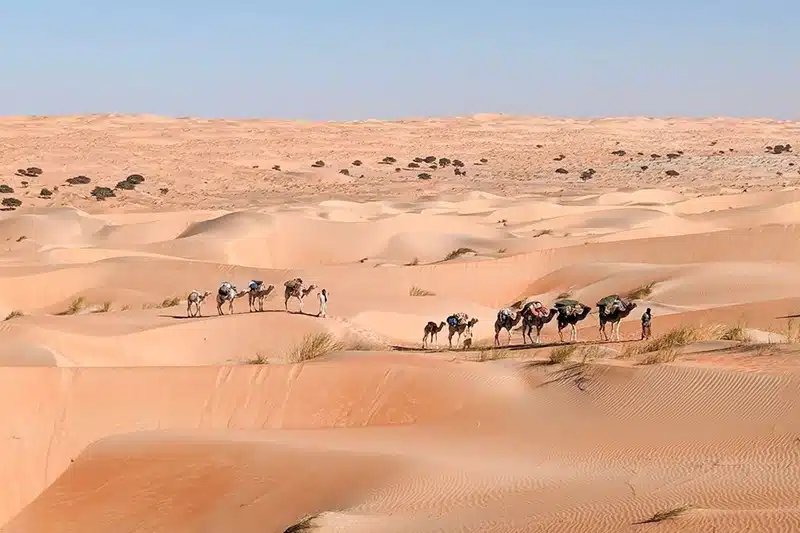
(309, 289)
(205, 295)
(472, 322)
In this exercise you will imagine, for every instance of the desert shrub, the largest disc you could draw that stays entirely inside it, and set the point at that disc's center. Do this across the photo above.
(433, 167)
(618, 152)
(106, 307)
(417, 291)
(413, 165)
(562, 171)
(561, 157)
(318, 164)
(443, 162)
(163, 190)
(430, 159)
(398, 169)
(459, 252)
(5, 189)
(356, 163)
(101, 193)
(169, 302)
(24, 184)
(642, 292)
(665, 515)
(424, 176)
(666, 355)
(45, 193)
(11, 202)
(135, 179)
(34, 171)
(644, 167)
(259, 359)
(75, 306)
(673, 156)
(388, 160)
(562, 354)
(13, 314)
(125, 185)
(655, 156)
(344, 171)
(418, 160)
(78, 180)
(313, 346)
(672, 173)
(484, 160)
(457, 163)
(276, 167)
(457, 171)
(587, 174)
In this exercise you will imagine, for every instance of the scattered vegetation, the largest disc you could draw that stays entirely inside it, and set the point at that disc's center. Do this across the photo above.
(13, 314)
(673, 156)
(644, 167)
(424, 176)
(318, 164)
(259, 359)
(642, 292)
(344, 171)
(418, 291)
(484, 160)
(314, 346)
(357, 163)
(560, 157)
(388, 160)
(457, 163)
(655, 156)
(562, 353)
(105, 308)
(459, 252)
(125, 185)
(563, 295)
(587, 174)
(135, 179)
(665, 348)
(45, 193)
(618, 152)
(443, 162)
(672, 173)
(779, 149)
(665, 515)
(11, 202)
(413, 165)
(562, 171)
(101, 193)
(5, 189)
(169, 302)
(413, 262)
(276, 167)
(493, 354)
(163, 190)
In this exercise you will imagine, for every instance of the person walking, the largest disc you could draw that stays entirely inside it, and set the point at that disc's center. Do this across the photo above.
(323, 303)
(647, 317)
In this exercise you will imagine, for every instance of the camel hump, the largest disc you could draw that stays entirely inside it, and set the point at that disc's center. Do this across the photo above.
(293, 283)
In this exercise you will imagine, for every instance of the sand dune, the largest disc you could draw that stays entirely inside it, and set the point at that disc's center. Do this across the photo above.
(123, 413)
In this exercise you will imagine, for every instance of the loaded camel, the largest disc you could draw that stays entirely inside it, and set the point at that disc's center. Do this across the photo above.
(432, 330)
(458, 323)
(532, 319)
(227, 293)
(568, 315)
(295, 289)
(196, 299)
(257, 293)
(611, 311)
(506, 319)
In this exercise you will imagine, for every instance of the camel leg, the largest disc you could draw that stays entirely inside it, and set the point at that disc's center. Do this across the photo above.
(424, 338)
(497, 336)
(574, 337)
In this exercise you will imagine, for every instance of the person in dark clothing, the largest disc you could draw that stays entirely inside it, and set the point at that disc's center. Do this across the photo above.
(647, 317)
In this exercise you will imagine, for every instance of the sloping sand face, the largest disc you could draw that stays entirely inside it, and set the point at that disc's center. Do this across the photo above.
(122, 413)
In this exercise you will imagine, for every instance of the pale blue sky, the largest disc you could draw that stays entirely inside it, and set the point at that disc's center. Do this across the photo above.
(351, 59)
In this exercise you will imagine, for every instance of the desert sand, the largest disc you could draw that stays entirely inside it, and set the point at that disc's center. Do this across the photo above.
(123, 414)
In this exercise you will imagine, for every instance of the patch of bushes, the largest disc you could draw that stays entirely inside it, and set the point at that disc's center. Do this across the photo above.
(443, 162)
(125, 185)
(417, 291)
(45, 193)
(11, 202)
(562, 171)
(101, 193)
(276, 167)
(459, 252)
(30, 172)
(344, 171)
(135, 179)
(318, 164)
(388, 160)
(5, 189)
(424, 176)
(356, 163)
(78, 180)
(413, 165)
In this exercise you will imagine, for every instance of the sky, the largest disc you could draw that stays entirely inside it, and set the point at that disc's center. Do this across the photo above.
(356, 59)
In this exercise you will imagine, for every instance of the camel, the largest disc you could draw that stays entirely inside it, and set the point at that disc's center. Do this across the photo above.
(565, 318)
(433, 330)
(197, 299)
(506, 319)
(294, 289)
(227, 293)
(258, 294)
(615, 318)
(532, 320)
(454, 325)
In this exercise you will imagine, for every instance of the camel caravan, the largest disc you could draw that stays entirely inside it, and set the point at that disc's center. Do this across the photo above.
(534, 316)
(256, 291)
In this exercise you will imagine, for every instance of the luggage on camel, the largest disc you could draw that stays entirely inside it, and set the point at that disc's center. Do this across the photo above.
(225, 288)
(294, 283)
(536, 308)
(569, 307)
(457, 319)
(255, 284)
(611, 303)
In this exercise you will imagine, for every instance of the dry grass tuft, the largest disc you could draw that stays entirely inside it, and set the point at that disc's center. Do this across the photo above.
(259, 359)
(666, 347)
(459, 253)
(562, 354)
(413, 262)
(493, 354)
(126, 307)
(13, 314)
(75, 307)
(642, 292)
(542, 233)
(666, 515)
(736, 333)
(169, 302)
(667, 355)
(418, 291)
(314, 346)
(564, 295)
(105, 308)
(306, 524)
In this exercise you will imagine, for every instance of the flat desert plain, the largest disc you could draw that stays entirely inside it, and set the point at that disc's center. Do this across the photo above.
(120, 413)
